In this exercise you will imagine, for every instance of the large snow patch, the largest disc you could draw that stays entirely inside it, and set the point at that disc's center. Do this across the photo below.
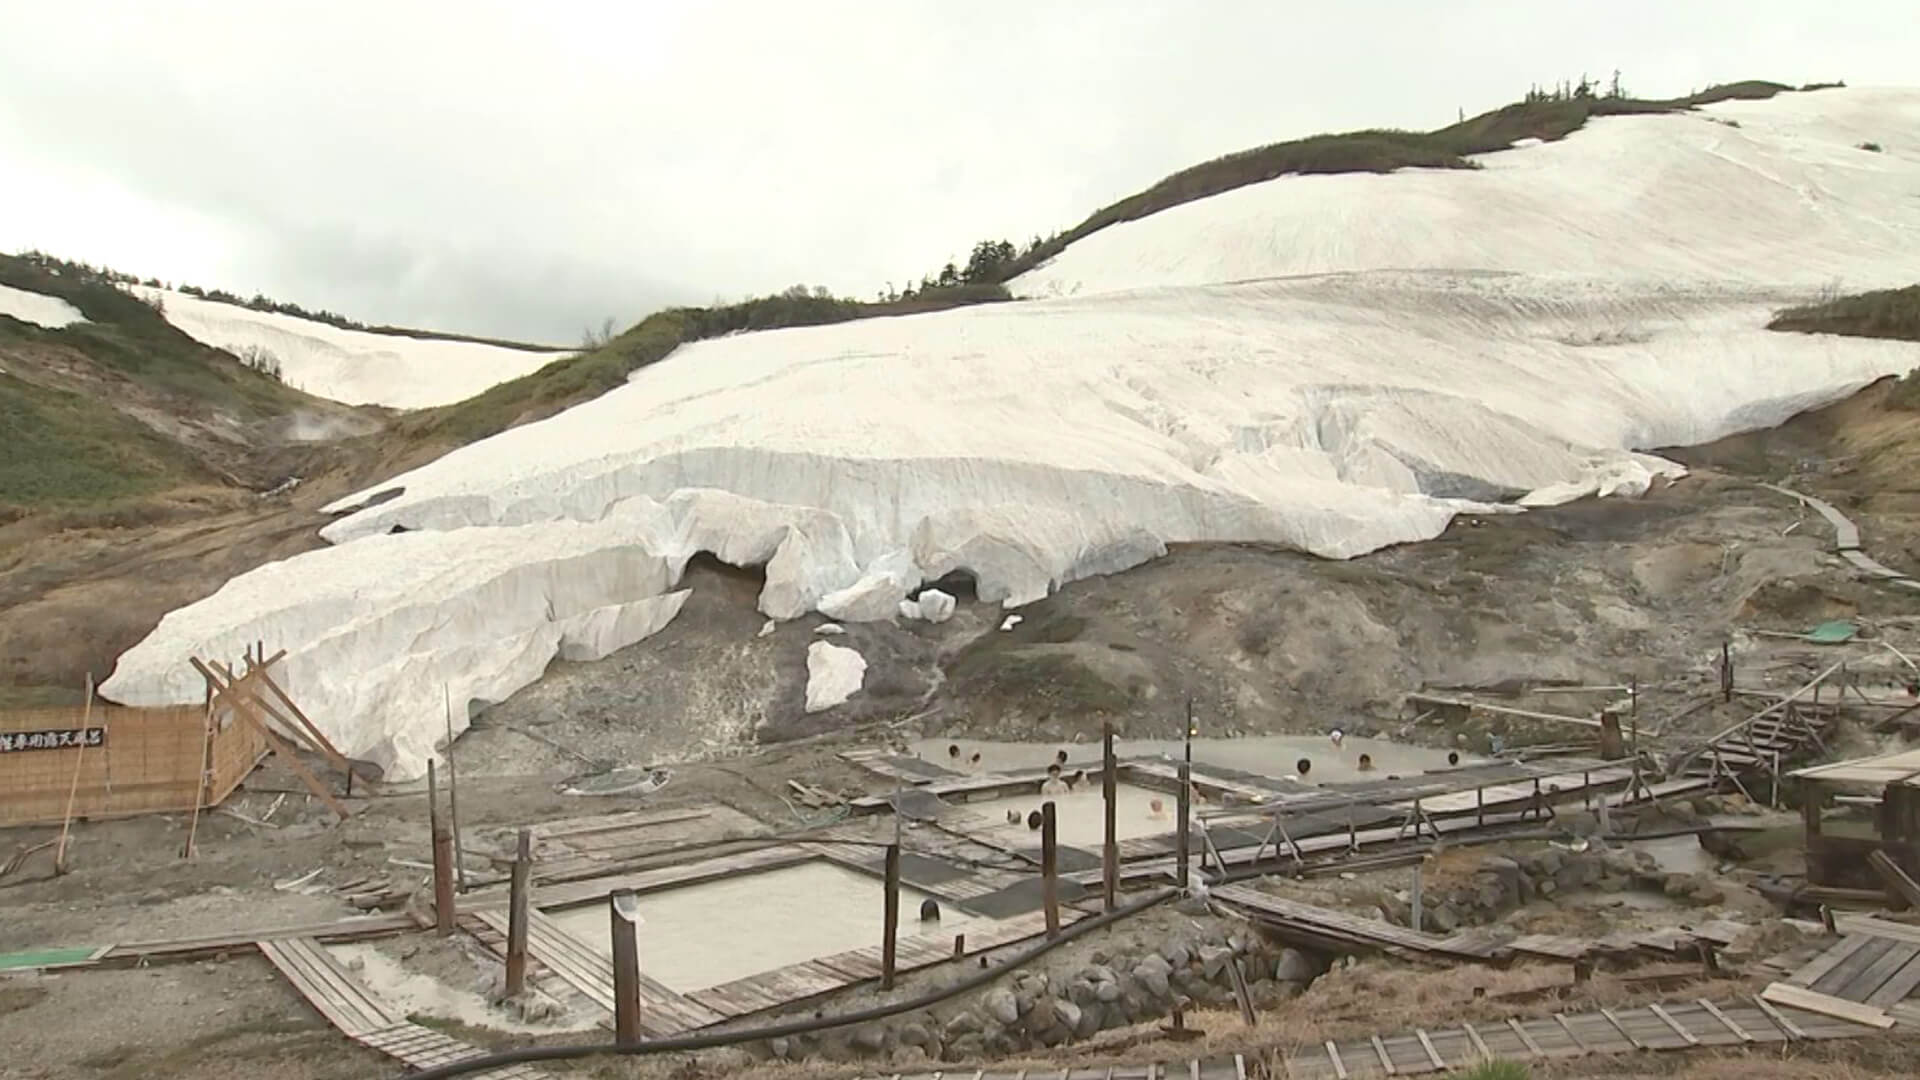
(1785, 197)
(39, 309)
(1028, 445)
(352, 366)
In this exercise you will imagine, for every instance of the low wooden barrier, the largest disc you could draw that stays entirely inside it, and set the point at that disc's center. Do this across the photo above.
(129, 760)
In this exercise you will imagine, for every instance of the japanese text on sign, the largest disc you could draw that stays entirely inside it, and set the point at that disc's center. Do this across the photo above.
(55, 739)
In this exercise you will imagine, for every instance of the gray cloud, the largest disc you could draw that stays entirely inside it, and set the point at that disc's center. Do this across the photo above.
(527, 169)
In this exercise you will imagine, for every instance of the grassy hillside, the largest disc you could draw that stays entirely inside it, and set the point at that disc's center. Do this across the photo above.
(122, 404)
(1380, 151)
(1885, 313)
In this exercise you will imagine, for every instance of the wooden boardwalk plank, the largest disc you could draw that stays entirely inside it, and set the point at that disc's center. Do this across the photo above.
(1830, 959)
(1851, 968)
(1876, 975)
(1898, 987)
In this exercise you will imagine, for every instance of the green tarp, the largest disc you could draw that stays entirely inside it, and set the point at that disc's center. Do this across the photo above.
(1835, 632)
(45, 958)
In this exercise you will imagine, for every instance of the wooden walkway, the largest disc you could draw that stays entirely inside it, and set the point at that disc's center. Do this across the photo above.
(1233, 1068)
(662, 1011)
(1673, 1026)
(364, 1017)
(1846, 541)
(666, 1012)
(1343, 932)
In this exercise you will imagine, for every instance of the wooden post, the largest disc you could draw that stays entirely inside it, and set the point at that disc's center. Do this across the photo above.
(1417, 899)
(1049, 876)
(959, 946)
(623, 910)
(73, 785)
(453, 789)
(890, 932)
(1726, 673)
(443, 911)
(206, 774)
(1110, 848)
(517, 912)
(1181, 840)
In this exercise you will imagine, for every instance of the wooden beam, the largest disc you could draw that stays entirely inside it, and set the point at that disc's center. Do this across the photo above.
(1799, 997)
(326, 746)
(626, 967)
(243, 708)
(300, 727)
(1726, 1021)
(1667, 1019)
(1898, 883)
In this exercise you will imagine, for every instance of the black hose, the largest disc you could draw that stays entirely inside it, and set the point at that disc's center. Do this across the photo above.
(685, 1043)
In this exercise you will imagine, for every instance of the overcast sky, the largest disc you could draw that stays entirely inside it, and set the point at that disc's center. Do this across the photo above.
(526, 168)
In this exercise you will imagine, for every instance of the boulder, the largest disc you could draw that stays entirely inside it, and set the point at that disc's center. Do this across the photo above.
(1107, 992)
(869, 1038)
(1067, 1014)
(1444, 918)
(914, 1033)
(969, 1047)
(1295, 966)
(781, 1048)
(1176, 952)
(964, 1022)
(1040, 1017)
(1154, 981)
(1002, 1006)
(1213, 960)
(1089, 1023)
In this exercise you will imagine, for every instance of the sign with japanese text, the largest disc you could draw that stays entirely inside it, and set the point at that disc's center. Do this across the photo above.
(52, 739)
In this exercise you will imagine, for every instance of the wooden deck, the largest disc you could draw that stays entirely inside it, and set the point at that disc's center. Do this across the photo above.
(364, 1017)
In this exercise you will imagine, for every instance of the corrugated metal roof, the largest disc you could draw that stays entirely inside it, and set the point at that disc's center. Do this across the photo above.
(1897, 768)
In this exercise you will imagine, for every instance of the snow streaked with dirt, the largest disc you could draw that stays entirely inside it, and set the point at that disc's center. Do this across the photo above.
(351, 366)
(1774, 192)
(49, 312)
(1033, 444)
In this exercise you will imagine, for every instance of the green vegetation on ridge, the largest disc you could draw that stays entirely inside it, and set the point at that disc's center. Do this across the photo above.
(70, 446)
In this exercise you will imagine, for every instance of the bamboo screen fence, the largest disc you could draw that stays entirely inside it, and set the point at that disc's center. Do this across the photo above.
(133, 761)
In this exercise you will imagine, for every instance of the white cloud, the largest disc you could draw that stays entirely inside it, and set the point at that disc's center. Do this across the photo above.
(526, 169)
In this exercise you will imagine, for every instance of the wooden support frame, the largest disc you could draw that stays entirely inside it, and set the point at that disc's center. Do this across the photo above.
(230, 695)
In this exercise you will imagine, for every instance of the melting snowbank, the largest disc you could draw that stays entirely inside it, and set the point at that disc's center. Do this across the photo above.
(352, 366)
(41, 310)
(1032, 444)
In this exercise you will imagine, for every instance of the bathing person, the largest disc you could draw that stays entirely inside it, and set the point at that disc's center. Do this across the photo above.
(1337, 736)
(953, 753)
(1157, 810)
(1034, 820)
(1053, 785)
(1076, 778)
(1060, 758)
(1366, 763)
(1013, 817)
(1453, 757)
(1303, 767)
(973, 763)
(929, 910)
